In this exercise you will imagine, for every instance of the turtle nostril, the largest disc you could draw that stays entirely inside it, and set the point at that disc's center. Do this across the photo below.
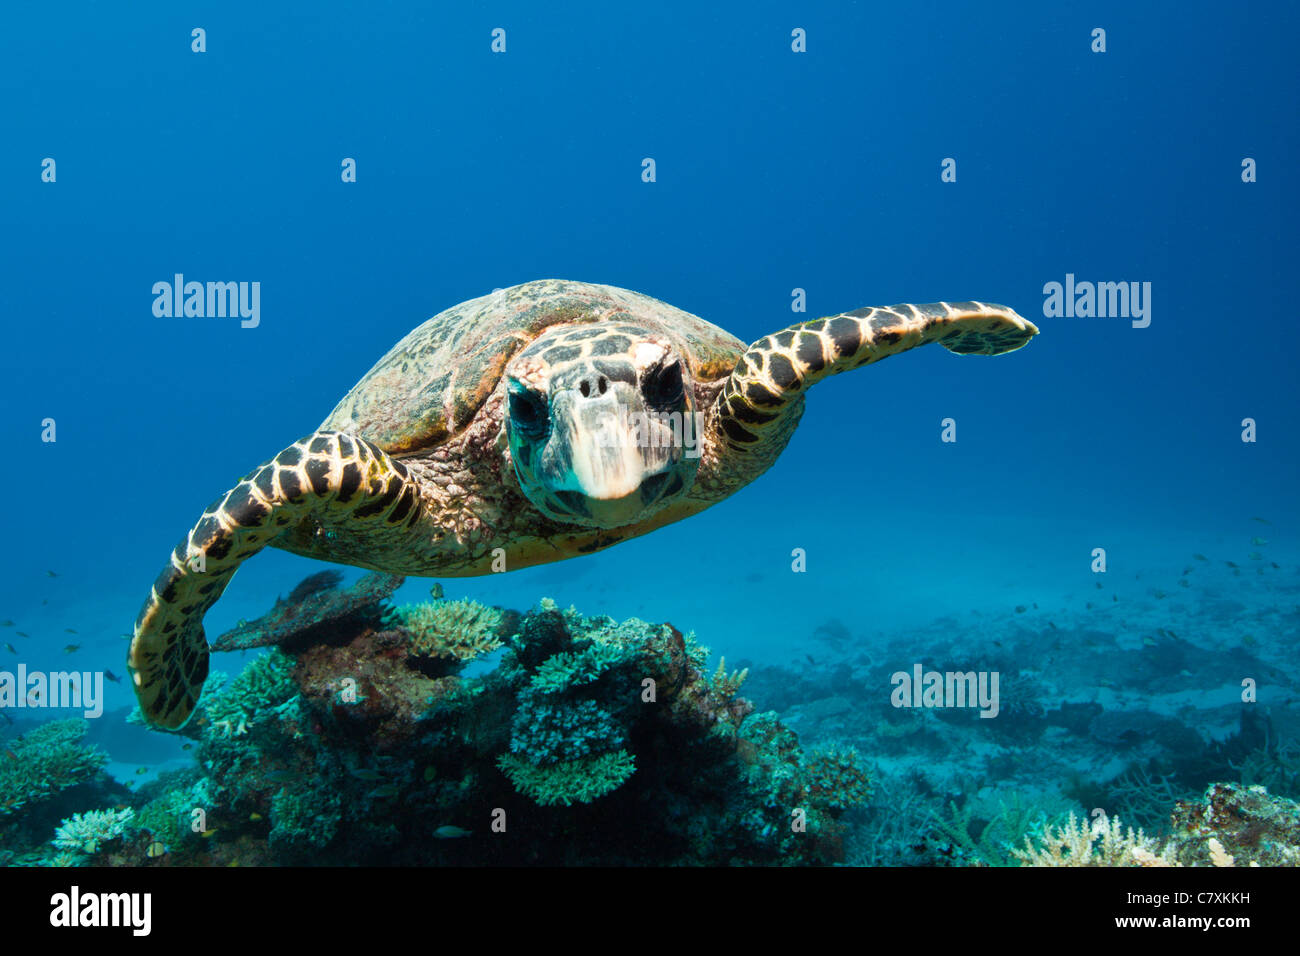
(602, 384)
(585, 388)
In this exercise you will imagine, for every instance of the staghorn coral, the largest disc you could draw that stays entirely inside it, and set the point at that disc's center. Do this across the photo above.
(1104, 843)
(44, 761)
(460, 630)
(86, 832)
(728, 683)
(570, 782)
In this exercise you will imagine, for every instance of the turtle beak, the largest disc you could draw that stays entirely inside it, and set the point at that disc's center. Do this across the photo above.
(599, 463)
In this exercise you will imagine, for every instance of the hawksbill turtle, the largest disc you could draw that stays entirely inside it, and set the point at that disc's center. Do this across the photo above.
(540, 422)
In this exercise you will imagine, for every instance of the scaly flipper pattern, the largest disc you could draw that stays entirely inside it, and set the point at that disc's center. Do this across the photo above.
(761, 403)
(329, 479)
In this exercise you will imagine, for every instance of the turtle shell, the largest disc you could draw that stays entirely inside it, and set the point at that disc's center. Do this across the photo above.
(433, 382)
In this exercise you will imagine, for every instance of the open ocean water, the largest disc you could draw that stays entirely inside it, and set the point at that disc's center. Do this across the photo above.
(935, 510)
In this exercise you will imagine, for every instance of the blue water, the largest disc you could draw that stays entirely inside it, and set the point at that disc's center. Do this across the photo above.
(775, 170)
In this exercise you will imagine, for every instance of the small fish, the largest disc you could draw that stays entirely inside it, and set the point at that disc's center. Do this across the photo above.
(1089, 605)
(11, 649)
(811, 660)
(1160, 595)
(127, 636)
(8, 623)
(1098, 585)
(1021, 609)
(384, 792)
(255, 817)
(1261, 520)
(364, 774)
(1256, 556)
(68, 630)
(209, 834)
(436, 592)
(155, 850)
(1230, 564)
(1200, 557)
(1184, 583)
(109, 675)
(1186, 571)
(51, 574)
(71, 648)
(1053, 625)
(1149, 641)
(1258, 542)
(233, 863)
(1275, 564)
(187, 746)
(141, 770)
(22, 633)
(429, 774)
(450, 833)
(11, 755)
(1249, 640)
(1035, 605)
(1114, 598)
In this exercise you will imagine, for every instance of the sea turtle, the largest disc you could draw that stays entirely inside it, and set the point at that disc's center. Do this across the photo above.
(537, 423)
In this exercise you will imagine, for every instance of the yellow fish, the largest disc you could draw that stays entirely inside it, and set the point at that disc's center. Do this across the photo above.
(155, 850)
(255, 817)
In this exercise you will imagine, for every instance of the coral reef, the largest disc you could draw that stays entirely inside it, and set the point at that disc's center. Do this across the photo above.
(460, 630)
(358, 739)
(45, 761)
(87, 832)
(315, 610)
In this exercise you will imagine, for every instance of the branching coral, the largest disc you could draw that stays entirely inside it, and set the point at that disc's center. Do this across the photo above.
(45, 761)
(460, 630)
(548, 731)
(728, 684)
(574, 781)
(86, 832)
(1104, 843)
(573, 669)
(261, 687)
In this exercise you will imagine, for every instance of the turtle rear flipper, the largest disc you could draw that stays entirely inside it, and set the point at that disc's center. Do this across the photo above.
(330, 478)
(760, 404)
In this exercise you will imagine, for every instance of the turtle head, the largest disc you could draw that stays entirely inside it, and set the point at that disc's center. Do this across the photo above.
(601, 424)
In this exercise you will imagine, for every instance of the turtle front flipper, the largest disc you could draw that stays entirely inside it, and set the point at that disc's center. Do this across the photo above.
(330, 478)
(760, 404)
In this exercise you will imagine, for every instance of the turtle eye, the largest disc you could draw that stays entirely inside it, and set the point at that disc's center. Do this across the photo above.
(663, 387)
(528, 413)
